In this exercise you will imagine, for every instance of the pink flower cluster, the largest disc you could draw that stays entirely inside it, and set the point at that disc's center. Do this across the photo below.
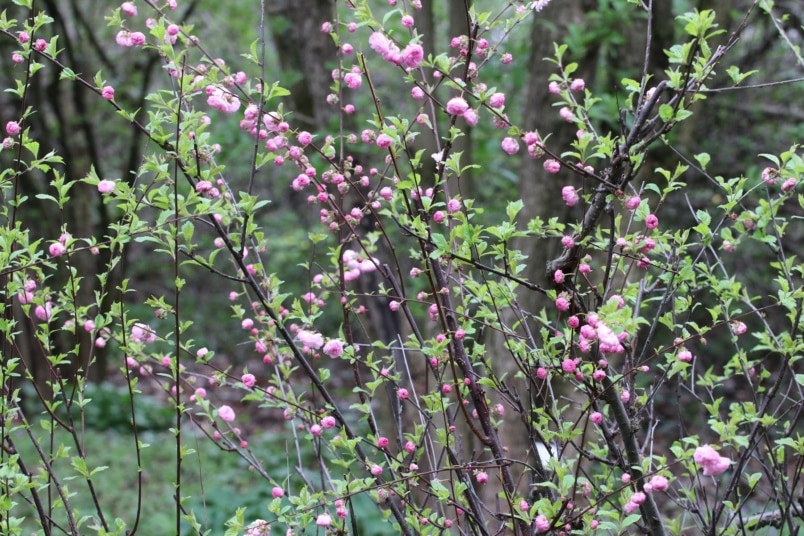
(356, 265)
(458, 106)
(222, 100)
(596, 329)
(411, 56)
(143, 333)
(126, 38)
(633, 503)
(712, 463)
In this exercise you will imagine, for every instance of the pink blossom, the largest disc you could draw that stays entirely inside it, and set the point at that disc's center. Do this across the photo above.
(567, 241)
(226, 414)
(328, 422)
(56, 249)
(248, 380)
(402, 393)
(417, 93)
(566, 114)
(510, 145)
(737, 327)
(25, 297)
(609, 341)
(685, 356)
(316, 430)
(384, 47)
(632, 202)
(143, 333)
(106, 186)
(570, 196)
(506, 58)
(770, 176)
(651, 222)
(258, 527)
(44, 313)
(123, 38)
(12, 128)
(712, 463)
(107, 92)
(304, 138)
(598, 375)
(497, 100)
(412, 55)
(482, 477)
(382, 442)
(333, 348)
(407, 21)
(558, 276)
(457, 106)
(310, 339)
(552, 166)
(471, 117)
(16, 57)
(630, 506)
(554, 87)
(538, 5)
(129, 9)
(384, 141)
(40, 45)
(376, 470)
(324, 520)
(577, 85)
(541, 523)
(658, 483)
(222, 100)
(569, 365)
(789, 184)
(24, 37)
(277, 492)
(353, 80)
(562, 304)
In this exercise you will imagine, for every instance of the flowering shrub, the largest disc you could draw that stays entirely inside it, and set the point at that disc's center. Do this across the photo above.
(653, 390)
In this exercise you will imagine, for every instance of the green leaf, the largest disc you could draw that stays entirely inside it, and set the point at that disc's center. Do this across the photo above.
(666, 112)
(513, 209)
(703, 159)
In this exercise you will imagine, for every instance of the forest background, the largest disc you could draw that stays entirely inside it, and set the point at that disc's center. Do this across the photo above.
(93, 395)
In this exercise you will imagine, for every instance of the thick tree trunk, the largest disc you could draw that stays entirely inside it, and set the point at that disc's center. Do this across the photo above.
(304, 49)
